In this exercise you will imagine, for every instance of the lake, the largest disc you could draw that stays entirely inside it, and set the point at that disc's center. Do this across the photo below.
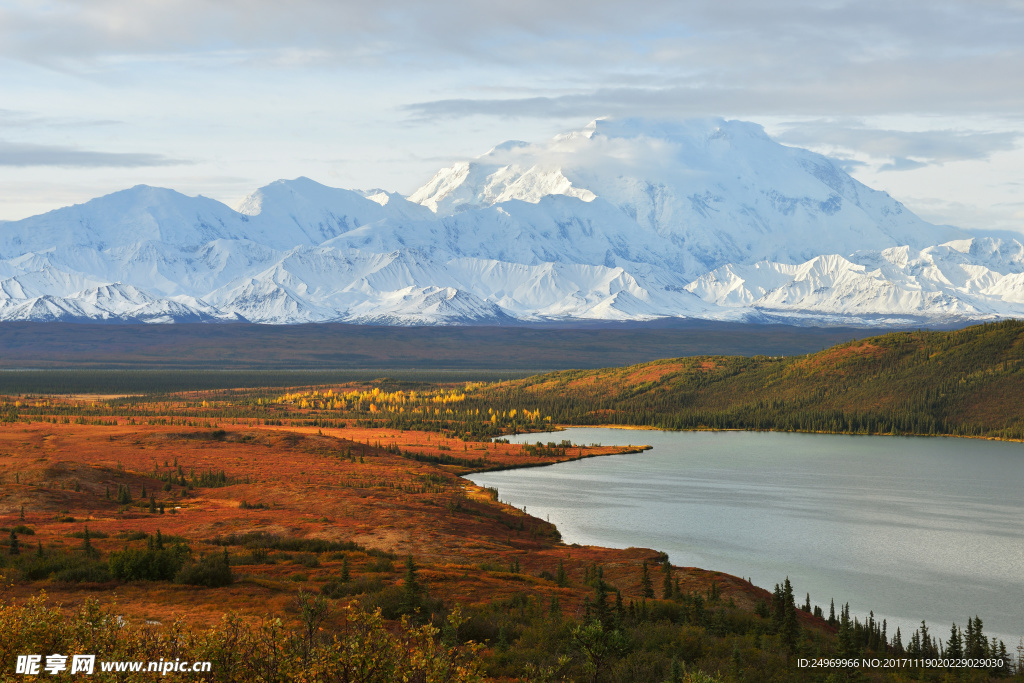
(910, 527)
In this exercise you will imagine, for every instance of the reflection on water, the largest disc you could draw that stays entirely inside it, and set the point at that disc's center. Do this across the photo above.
(913, 528)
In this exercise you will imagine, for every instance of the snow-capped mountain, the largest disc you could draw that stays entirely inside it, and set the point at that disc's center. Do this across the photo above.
(623, 220)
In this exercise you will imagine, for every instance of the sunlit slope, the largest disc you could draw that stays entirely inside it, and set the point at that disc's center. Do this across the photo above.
(967, 382)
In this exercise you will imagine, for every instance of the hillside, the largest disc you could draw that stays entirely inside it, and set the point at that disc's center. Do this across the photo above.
(966, 382)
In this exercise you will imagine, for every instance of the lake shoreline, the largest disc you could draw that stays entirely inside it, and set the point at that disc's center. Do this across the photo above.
(748, 567)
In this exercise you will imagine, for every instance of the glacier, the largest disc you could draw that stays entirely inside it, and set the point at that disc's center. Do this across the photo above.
(623, 220)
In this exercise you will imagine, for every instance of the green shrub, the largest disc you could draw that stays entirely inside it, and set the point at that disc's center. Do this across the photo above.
(147, 565)
(359, 586)
(210, 570)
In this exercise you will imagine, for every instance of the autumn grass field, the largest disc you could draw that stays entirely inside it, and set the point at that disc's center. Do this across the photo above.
(296, 505)
(335, 485)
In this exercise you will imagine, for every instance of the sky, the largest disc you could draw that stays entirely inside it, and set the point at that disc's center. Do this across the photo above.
(921, 98)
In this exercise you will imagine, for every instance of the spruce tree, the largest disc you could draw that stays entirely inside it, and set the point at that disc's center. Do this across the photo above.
(14, 548)
(561, 578)
(666, 582)
(601, 610)
(955, 645)
(87, 544)
(411, 588)
(344, 569)
(790, 626)
(645, 583)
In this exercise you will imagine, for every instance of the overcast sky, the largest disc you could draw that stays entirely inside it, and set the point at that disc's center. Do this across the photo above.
(923, 98)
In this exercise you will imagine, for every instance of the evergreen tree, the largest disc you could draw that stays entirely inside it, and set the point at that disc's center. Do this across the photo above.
(411, 588)
(561, 578)
(344, 569)
(955, 644)
(600, 605)
(807, 604)
(14, 548)
(790, 626)
(645, 583)
(87, 548)
(666, 582)
(975, 643)
(845, 636)
(676, 671)
(832, 612)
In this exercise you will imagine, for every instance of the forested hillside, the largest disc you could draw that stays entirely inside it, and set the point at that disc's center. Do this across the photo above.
(966, 382)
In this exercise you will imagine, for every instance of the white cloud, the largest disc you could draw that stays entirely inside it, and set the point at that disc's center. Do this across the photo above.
(365, 93)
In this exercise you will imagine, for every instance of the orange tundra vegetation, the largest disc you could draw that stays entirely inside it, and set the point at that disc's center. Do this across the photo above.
(328, 484)
(266, 505)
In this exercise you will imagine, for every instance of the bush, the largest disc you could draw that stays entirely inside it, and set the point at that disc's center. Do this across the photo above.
(64, 567)
(92, 534)
(212, 570)
(306, 560)
(359, 586)
(381, 564)
(239, 651)
(95, 572)
(147, 565)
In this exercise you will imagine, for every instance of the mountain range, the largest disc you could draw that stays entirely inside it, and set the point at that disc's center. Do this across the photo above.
(623, 220)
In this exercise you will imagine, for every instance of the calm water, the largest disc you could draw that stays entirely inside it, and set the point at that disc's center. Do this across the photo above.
(912, 528)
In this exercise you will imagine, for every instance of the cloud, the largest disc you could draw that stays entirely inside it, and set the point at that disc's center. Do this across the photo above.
(902, 164)
(22, 154)
(10, 118)
(573, 58)
(900, 150)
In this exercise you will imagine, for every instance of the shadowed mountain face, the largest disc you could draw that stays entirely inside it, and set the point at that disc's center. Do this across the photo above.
(624, 220)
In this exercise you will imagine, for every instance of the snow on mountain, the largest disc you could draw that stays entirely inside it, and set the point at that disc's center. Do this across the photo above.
(139, 214)
(717, 191)
(116, 301)
(622, 220)
(944, 282)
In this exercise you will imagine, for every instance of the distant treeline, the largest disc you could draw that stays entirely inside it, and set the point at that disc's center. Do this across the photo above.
(161, 382)
(965, 383)
(968, 383)
(338, 346)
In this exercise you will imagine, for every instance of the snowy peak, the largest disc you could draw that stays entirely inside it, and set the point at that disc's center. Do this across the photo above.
(139, 214)
(628, 219)
(723, 188)
(492, 179)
